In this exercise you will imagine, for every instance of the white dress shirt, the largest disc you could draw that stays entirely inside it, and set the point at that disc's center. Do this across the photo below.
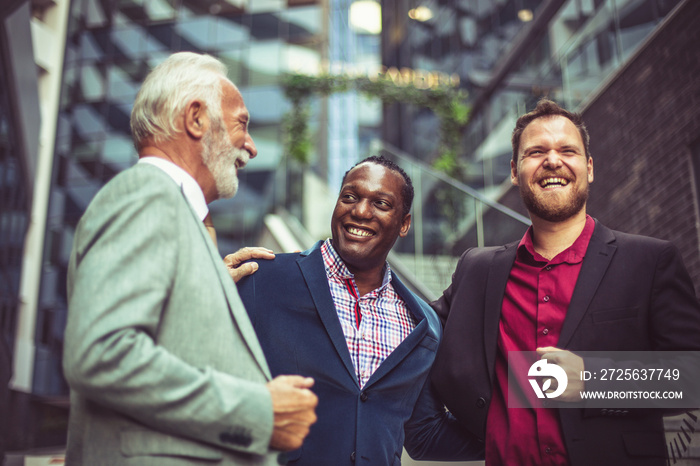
(191, 189)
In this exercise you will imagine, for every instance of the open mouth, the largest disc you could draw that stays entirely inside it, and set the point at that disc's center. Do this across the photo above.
(553, 182)
(359, 232)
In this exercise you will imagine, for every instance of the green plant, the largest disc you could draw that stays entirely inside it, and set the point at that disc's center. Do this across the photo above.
(446, 102)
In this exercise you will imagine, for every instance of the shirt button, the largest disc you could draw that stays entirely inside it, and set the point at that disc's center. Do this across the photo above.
(546, 299)
(352, 456)
(549, 267)
(363, 396)
(545, 331)
(548, 450)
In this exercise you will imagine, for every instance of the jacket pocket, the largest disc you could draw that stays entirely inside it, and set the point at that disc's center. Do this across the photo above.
(151, 443)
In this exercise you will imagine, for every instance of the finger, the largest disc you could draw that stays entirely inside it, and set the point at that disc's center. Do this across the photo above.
(303, 382)
(244, 270)
(546, 349)
(247, 253)
(297, 381)
(261, 253)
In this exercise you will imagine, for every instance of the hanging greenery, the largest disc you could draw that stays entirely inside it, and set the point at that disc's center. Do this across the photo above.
(446, 102)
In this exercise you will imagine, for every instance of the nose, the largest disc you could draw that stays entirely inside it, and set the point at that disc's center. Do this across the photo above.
(249, 145)
(552, 159)
(362, 209)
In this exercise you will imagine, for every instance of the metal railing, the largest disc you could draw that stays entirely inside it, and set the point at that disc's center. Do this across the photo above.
(448, 217)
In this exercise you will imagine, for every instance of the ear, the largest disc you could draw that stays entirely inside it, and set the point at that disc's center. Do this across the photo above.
(513, 173)
(196, 120)
(590, 169)
(405, 226)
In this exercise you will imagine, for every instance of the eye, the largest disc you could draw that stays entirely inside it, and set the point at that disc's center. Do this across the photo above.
(384, 205)
(347, 197)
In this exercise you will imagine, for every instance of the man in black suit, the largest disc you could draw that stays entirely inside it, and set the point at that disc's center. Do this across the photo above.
(570, 285)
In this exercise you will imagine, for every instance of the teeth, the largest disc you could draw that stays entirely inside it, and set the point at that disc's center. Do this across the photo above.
(553, 182)
(359, 232)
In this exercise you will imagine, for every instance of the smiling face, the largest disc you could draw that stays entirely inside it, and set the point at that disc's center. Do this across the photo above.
(227, 146)
(368, 216)
(552, 170)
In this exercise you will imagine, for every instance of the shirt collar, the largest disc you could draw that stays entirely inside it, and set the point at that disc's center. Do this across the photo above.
(572, 255)
(190, 188)
(335, 266)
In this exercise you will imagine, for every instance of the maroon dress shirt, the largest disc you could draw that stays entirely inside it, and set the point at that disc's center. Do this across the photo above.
(534, 306)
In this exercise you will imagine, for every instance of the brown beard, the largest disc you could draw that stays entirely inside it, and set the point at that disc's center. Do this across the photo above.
(554, 213)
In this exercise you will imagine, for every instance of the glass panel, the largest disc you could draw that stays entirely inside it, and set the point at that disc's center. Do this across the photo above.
(302, 21)
(129, 41)
(197, 33)
(92, 83)
(303, 60)
(90, 49)
(260, 6)
(121, 87)
(235, 61)
(158, 10)
(88, 121)
(636, 21)
(227, 31)
(95, 15)
(118, 148)
(264, 63)
(132, 10)
(267, 141)
(265, 26)
(447, 219)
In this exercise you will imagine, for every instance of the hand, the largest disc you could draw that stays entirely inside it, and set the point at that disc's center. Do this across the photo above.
(234, 262)
(572, 365)
(293, 406)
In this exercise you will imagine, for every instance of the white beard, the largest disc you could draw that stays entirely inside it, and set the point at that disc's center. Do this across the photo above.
(220, 157)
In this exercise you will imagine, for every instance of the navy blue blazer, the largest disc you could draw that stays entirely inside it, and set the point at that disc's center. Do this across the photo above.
(289, 303)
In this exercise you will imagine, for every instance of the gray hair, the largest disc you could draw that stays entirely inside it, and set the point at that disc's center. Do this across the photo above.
(168, 88)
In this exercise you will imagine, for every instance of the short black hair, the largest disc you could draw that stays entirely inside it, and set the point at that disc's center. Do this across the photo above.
(548, 108)
(406, 192)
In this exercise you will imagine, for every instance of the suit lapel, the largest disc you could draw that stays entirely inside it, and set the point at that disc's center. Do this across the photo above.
(598, 256)
(411, 341)
(235, 305)
(311, 265)
(495, 290)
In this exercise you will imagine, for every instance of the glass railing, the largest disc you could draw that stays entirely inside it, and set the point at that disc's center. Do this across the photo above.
(448, 217)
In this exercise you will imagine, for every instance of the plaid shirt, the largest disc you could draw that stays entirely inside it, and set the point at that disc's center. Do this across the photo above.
(384, 320)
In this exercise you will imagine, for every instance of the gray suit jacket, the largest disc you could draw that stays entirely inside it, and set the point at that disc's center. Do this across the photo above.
(163, 363)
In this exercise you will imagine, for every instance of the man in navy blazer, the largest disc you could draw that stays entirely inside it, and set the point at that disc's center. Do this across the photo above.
(570, 284)
(324, 312)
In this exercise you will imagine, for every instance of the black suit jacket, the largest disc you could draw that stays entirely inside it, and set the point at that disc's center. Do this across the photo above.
(633, 294)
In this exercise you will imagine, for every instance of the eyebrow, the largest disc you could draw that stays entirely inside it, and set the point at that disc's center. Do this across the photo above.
(376, 194)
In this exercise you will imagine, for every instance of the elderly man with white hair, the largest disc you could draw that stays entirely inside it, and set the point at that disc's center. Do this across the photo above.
(163, 364)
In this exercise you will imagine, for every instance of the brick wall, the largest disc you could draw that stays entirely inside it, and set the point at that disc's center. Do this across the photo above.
(642, 127)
